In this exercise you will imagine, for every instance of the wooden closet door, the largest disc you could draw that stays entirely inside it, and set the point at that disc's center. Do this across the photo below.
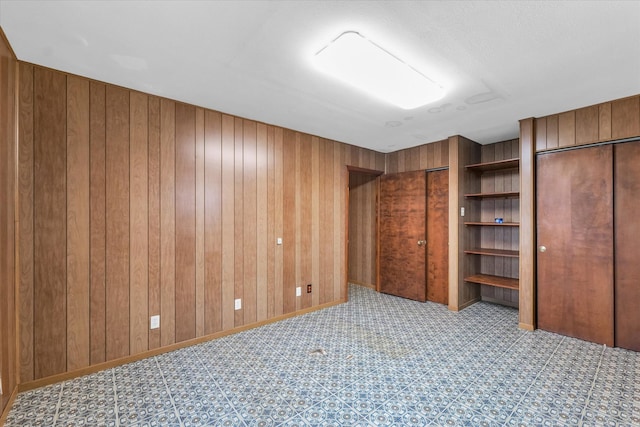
(575, 225)
(402, 233)
(438, 236)
(627, 232)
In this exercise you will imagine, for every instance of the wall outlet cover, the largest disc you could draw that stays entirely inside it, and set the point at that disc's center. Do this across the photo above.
(238, 304)
(298, 291)
(155, 322)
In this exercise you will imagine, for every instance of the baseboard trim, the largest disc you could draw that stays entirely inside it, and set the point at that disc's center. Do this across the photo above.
(526, 327)
(365, 285)
(30, 385)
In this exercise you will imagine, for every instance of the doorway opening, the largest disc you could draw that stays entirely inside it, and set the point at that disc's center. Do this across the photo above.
(362, 228)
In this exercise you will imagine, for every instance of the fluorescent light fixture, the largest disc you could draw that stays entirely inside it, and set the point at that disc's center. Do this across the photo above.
(363, 64)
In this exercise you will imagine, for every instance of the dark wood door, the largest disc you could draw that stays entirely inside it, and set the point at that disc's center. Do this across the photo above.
(402, 234)
(438, 236)
(575, 225)
(627, 232)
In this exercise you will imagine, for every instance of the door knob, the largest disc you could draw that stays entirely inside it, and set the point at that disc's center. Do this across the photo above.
(543, 248)
(422, 242)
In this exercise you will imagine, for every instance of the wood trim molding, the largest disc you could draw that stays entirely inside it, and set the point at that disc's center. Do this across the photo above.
(12, 398)
(527, 268)
(30, 385)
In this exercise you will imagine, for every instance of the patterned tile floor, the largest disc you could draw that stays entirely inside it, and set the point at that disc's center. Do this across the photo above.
(375, 361)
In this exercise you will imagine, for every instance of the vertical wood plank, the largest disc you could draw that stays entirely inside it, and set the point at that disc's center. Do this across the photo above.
(437, 154)
(139, 223)
(279, 219)
(315, 220)
(444, 159)
(228, 222)
(200, 232)
(552, 131)
(213, 222)
(249, 234)
(326, 224)
(262, 208)
(604, 121)
(272, 245)
(185, 291)
(297, 261)
(587, 125)
(431, 161)
(567, 129)
(239, 219)
(167, 221)
(49, 223)
(154, 217)
(98, 224)
(402, 166)
(305, 217)
(78, 234)
(541, 134)
(391, 162)
(26, 204)
(289, 222)
(625, 118)
(117, 222)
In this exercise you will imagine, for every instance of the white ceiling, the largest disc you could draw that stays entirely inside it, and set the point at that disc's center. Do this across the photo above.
(499, 61)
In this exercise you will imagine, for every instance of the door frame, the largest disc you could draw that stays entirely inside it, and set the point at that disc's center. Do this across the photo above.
(373, 172)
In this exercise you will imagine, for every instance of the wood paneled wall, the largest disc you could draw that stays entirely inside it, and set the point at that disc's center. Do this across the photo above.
(363, 190)
(509, 209)
(134, 205)
(8, 218)
(428, 156)
(608, 121)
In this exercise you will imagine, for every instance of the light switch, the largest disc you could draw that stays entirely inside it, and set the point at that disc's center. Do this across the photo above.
(298, 291)
(238, 304)
(279, 241)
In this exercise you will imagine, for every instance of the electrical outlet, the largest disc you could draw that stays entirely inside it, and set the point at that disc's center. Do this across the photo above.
(462, 211)
(238, 304)
(309, 288)
(279, 241)
(298, 291)
(155, 322)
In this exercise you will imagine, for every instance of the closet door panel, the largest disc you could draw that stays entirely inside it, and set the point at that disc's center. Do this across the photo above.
(402, 235)
(627, 236)
(575, 227)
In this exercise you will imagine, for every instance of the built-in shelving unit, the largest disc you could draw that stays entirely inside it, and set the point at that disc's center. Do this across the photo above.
(493, 222)
(498, 281)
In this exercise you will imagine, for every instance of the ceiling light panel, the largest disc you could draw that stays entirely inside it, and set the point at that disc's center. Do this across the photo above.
(357, 61)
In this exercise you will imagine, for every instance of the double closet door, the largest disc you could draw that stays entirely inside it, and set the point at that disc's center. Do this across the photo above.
(414, 235)
(588, 269)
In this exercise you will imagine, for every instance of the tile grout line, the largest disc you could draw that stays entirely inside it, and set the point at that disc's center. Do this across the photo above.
(58, 405)
(115, 396)
(216, 384)
(164, 380)
(593, 384)
(479, 376)
(555, 350)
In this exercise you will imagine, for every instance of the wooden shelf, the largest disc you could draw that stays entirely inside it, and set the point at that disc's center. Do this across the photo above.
(498, 165)
(494, 224)
(497, 281)
(504, 194)
(493, 252)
